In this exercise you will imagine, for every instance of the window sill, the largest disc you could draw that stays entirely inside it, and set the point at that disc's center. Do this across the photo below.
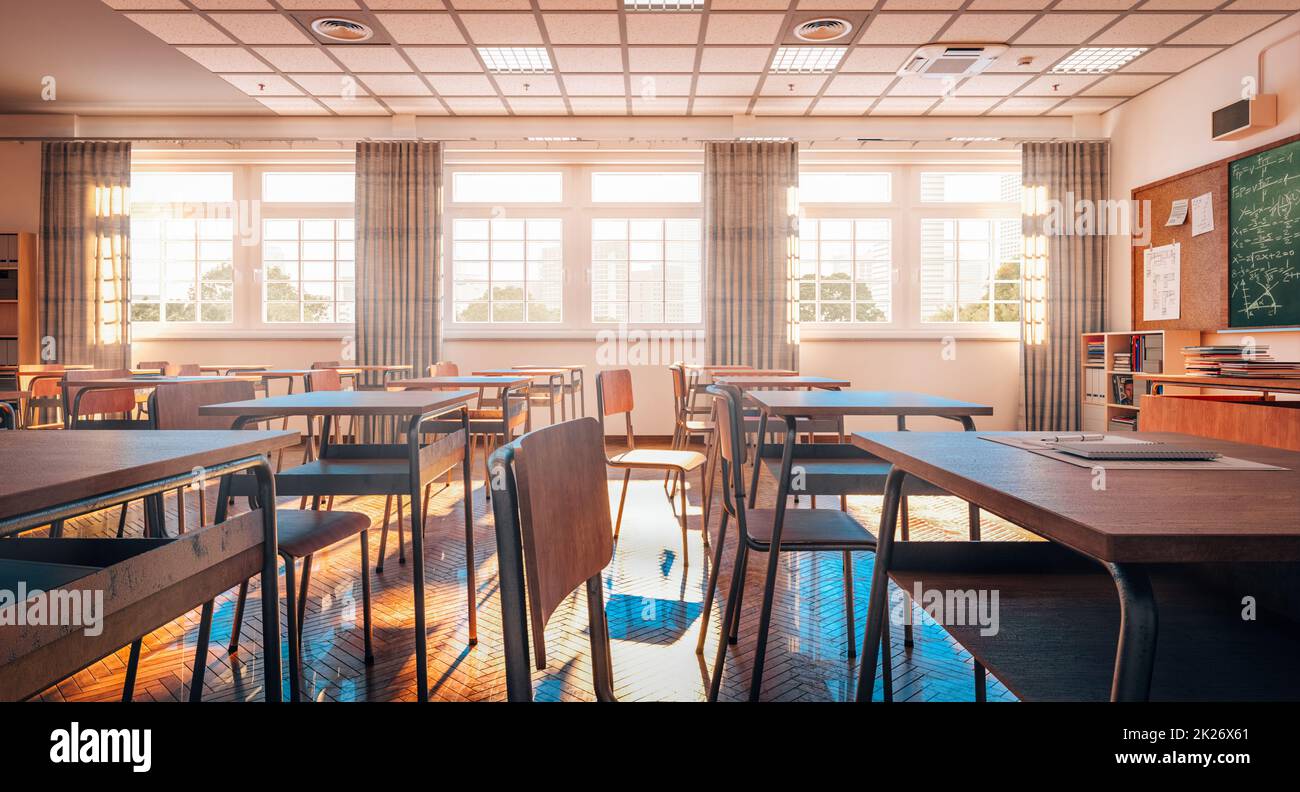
(907, 334)
(335, 333)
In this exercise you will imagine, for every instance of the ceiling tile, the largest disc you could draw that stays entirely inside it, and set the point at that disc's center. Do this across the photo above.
(225, 59)
(835, 5)
(1124, 84)
(517, 30)
(262, 84)
(1181, 5)
(964, 105)
(662, 59)
(1024, 105)
(180, 28)
(749, 5)
(598, 105)
(786, 105)
(262, 28)
(876, 59)
(421, 28)
(538, 105)
(582, 28)
(1058, 85)
(903, 28)
(1008, 5)
(660, 28)
(659, 106)
(395, 84)
(146, 5)
(839, 105)
(594, 85)
(985, 27)
(461, 84)
(902, 105)
(803, 84)
(1143, 29)
(991, 84)
(525, 84)
(415, 105)
(290, 105)
(475, 105)
(918, 86)
(859, 84)
(1102, 5)
(328, 84)
(1082, 106)
(589, 59)
(645, 85)
(1040, 58)
(405, 5)
(443, 59)
(376, 58)
(356, 106)
(238, 5)
(743, 28)
(922, 5)
(1265, 5)
(1170, 59)
(302, 59)
(578, 5)
(1056, 28)
(312, 5)
(726, 84)
(492, 5)
(735, 59)
(712, 105)
(1226, 28)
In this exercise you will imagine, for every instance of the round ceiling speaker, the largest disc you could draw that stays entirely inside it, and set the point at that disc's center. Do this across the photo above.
(339, 29)
(821, 30)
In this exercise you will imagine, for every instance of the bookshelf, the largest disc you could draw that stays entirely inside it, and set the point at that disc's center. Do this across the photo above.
(19, 342)
(1097, 391)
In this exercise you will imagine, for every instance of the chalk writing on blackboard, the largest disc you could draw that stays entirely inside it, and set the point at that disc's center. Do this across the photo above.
(1264, 238)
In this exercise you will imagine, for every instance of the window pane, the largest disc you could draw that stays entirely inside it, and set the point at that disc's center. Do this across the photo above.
(158, 188)
(645, 271)
(844, 187)
(645, 187)
(507, 270)
(308, 187)
(967, 265)
(507, 187)
(304, 280)
(846, 270)
(990, 187)
(193, 263)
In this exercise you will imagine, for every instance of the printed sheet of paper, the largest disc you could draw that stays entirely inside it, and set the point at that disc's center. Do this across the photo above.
(1161, 283)
(1177, 212)
(1037, 446)
(1202, 214)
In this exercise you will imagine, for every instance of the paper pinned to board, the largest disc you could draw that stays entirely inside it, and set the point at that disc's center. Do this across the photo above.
(1177, 213)
(1202, 214)
(1161, 283)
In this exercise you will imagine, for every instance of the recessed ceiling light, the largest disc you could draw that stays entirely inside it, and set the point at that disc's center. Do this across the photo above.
(1097, 60)
(974, 139)
(663, 5)
(551, 139)
(806, 60)
(822, 30)
(347, 31)
(516, 60)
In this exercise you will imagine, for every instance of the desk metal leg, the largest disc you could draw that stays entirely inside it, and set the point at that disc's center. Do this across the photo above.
(417, 571)
(1138, 625)
(878, 601)
(758, 457)
(471, 582)
(773, 555)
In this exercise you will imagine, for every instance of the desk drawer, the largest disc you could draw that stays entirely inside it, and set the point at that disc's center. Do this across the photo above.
(1241, 419)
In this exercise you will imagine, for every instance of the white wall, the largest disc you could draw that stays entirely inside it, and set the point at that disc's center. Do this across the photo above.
(1167, 130)
(20, 187)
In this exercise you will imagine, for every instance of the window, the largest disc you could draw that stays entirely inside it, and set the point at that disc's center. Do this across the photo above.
(988, 187)
(508, 270)
(308, 271)
(308, 187)
(850, 187)
(505, 188)
(181, 270)
(845, 270)
(970, 270)
(645, 187)
(645, 270)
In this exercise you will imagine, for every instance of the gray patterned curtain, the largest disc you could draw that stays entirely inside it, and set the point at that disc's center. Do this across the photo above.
(751, 247)
(1070, 266)
(399, 223)
(85, 253)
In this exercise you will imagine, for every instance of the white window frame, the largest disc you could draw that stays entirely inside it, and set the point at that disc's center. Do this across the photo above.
(247, 258)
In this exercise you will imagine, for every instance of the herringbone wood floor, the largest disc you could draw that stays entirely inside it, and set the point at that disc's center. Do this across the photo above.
(653, 600)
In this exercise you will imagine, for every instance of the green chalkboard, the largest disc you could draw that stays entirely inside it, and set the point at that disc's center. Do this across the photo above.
(1264, 238)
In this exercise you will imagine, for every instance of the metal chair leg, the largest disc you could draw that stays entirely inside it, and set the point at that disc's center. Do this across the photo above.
(365, 594)
(201, 652)
(686, 553)
(618, 523)
(180, 510)
(401, 533)
(848, 604)
(121, 522)
(302, 597)
(239, 618)
(132, 666)
(730, 615)
(291, 616)
(981, 683)
(713, 583)
(704, 497)
(383, 536)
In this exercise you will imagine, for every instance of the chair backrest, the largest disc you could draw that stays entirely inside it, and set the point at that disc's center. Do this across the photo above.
(325, 364)
(176, 405)
(731, 437)
(99, 402)
(159, 366)
(678, 372)
(614, 392)
(444, 368)
(323, 380)
(555, 506)
(185, 370)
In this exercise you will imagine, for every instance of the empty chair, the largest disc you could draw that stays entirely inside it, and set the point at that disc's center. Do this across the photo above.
(444, 368)
(803, 530)
(685, 429)
(614, 397)
(552, 518)
(110, 405)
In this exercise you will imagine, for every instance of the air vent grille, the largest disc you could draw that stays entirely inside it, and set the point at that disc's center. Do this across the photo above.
(346, 31)
(819, 30)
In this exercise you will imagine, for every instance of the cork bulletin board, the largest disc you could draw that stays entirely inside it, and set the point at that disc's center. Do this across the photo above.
(1204, 258)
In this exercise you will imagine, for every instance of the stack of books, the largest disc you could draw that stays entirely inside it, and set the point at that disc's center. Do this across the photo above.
(1123, 423)
(1227, 360)
(1260, 368)
(1123, 362)
(1096, 352)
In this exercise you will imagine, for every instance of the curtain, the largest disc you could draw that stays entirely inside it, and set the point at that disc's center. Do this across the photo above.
(398, 227)
(85, 253)
(1067, 190)
(751, 248)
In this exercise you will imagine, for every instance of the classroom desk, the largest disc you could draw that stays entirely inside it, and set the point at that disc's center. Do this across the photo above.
(48, 477)
(577, 380)
(792, 382)
(1243, 516)
(553, 389)
(72, 417)
(379, 469)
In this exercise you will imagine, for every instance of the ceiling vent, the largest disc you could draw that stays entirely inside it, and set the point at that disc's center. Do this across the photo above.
(942, 61)
(340, 30)
(821, 30)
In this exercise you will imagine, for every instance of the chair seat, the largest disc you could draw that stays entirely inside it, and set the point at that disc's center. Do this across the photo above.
(699, 426)
(658, 458)
(810, 529)
(303, 532)
(485, 413)
(345, 477)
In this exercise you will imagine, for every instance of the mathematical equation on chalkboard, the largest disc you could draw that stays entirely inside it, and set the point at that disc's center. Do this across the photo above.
(1264, 238)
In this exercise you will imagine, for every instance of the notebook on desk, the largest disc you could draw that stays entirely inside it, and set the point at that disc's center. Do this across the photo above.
(1141, 450)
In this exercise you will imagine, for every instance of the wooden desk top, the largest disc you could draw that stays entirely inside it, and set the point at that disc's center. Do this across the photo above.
(367, 402)
(10, 395)
(147, 381)
(358, 367)
(559, 366)
(433, 383)
(232, 366)
(40, 470)
(1141, 516)
(25, 369)
(1270, 384)
(828, 403)
(797, 381)
(533, 373)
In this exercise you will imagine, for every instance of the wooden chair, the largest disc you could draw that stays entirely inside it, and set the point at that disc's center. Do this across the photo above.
(686, 429)
(103, 403)
(614, 397)
(444, 368)
(301, 534)
(803, 530)
(552, 519)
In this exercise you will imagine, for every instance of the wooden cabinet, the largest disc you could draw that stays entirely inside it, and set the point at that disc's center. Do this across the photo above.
(19, 339)
(1257, 420)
